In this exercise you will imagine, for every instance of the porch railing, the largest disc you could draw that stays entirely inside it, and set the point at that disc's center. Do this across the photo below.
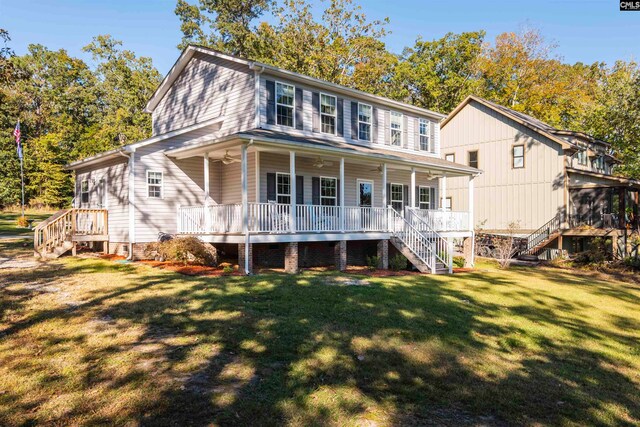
(276, 218)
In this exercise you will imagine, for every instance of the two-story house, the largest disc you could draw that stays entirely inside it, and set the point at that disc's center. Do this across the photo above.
(284, 169)
(558, 185)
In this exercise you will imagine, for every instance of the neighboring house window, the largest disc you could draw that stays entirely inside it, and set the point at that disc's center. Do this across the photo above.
(365, 114)
(284, 104)
(328, 113)
(582, 157)
(473, 158)
(424, 135)
(84, 191)
(424, 197)
(283, 188)
(154, 184)
(598, 164)
(397, 197)
(447, 203)
(450, 157)
(396, 128)
(518, 156)
(328, 191)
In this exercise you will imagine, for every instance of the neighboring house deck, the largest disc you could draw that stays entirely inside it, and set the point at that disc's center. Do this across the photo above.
(281, 168)
(558, 185)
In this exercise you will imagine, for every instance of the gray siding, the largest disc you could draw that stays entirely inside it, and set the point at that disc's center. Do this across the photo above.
(114, 174)
(207, 88)
(530, 196)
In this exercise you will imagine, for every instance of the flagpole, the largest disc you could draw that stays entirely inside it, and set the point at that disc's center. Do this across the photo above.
(22, 182)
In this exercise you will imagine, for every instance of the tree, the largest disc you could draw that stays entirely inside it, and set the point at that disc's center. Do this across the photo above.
(439, 74)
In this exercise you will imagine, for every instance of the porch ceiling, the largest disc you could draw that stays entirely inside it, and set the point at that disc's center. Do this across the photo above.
(265, 140)
(589, 179)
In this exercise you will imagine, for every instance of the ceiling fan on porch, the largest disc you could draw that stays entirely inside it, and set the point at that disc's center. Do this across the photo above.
(319, 163)
(227, 159)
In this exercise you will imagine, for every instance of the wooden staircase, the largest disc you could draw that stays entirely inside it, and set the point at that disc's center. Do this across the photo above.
(540, 238)
(62, 231)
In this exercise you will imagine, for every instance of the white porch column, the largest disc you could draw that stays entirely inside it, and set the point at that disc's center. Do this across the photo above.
(412, 190)
(384, 185)
(443, 195)
(471, 220)
(245, 205)
(342, 194)
(292, 187)
(207, 193)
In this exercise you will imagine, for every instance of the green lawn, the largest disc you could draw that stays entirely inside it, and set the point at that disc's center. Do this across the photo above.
(8, 222)
(88, 341)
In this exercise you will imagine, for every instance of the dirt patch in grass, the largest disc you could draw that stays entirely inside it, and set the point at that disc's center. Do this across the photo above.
(190, 269)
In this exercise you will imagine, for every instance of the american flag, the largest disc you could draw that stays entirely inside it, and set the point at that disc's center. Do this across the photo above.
(16, 133)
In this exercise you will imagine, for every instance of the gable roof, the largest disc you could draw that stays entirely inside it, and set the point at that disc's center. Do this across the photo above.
(191, 50)
(524, 119)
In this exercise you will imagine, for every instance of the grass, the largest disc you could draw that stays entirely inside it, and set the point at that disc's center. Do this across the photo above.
(87, 341)
(8, 222)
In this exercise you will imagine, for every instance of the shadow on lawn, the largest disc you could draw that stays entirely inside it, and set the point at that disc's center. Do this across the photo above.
(301, 348)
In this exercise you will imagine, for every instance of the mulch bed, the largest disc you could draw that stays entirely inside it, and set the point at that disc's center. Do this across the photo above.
(190, 269)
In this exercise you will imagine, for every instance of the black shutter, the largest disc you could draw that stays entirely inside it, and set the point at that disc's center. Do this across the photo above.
(340, 117)
(315, 104)
(299, 106)
(299, 190)
(271, 187)
(315, 190)
(374, 127)
(388, 195)
(337, 192)
(432, 199)
(405, 196)
(354, 120)
(271, 102)
(417, 197)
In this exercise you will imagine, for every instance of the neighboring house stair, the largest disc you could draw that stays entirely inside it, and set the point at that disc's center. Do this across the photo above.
(539, 239)
(61, 232)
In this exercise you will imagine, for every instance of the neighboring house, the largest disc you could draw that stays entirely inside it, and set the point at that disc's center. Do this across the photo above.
(284, 169)
(557, 185)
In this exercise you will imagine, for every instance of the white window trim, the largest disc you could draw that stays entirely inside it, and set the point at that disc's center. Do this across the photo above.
(335, 114)
(370, 122)
(335, 180)
(420, 187)
(278, 174)
(450, 154)
(430, 144)
(366, 181)
(161, 183)
(391, 199)
(292, 106)
(391, 128)
(88, 192)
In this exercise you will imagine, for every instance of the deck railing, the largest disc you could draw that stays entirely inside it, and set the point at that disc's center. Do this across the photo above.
(276, 218)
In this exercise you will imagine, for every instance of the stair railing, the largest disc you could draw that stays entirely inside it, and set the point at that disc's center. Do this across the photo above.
(443, 248)
(543, 233)
(62, 225)
(413, 239)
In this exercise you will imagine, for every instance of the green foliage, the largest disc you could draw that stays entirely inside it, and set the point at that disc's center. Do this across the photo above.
(22, 222)
(227, 270)
(599, 251)
(398, 262)
(458, 261)
(632, 262)
(182, 249)
(373, 262)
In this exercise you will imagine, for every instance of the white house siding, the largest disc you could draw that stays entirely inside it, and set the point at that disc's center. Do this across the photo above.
(114, 174)
(207, 88)
(382, 132)
(273, 162)
(530, 196)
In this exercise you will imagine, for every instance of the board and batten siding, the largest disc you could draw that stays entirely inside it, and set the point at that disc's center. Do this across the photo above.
(207, 88)
(530, 196)
(273, 163)
(382, 131)
(114, 173)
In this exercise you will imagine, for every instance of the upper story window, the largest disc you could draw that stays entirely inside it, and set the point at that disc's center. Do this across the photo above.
(473, 158)
(397, 197)
(365, 116)
(328, 113)
(283, 188)
(582, 157)
(451, 157)
(598, 163)
(396, 128)
(285, 95)
(425, 142)
(424, 197)
(154, 184)
(517, 153)
(84, 191)
(328, 191)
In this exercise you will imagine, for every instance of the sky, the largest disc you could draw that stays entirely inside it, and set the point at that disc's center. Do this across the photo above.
(585, 31)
